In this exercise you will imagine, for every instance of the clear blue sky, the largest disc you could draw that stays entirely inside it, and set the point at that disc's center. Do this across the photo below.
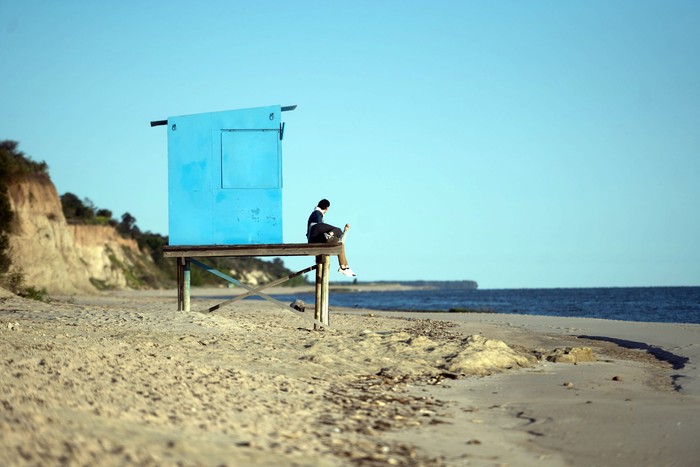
(518, 144)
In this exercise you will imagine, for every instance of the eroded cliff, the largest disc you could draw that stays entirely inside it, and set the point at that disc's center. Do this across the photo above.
(69, 259)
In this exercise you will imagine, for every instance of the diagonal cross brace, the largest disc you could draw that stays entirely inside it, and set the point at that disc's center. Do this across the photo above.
(252, 292)
(258, 291)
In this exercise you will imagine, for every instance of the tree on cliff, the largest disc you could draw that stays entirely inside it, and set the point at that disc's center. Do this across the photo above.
(127, 226)
(75, 210)
(16, 165)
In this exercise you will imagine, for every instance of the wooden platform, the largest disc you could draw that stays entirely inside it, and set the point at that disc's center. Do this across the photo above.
(272, 249)
(185, 255)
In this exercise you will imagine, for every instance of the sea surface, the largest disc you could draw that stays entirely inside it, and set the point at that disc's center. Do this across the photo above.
(649, 304)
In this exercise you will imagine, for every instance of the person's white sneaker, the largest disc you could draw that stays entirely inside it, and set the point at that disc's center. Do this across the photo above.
(347, 271)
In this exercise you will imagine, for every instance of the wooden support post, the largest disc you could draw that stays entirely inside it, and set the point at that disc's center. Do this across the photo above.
(180, 267)
(324, 290)
(319, 289)
(186, 285)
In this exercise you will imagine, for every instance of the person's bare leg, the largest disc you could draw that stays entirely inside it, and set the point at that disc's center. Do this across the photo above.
(342, 259)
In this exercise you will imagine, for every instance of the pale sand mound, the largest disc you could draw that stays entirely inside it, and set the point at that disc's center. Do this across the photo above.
(483, 356)
(399, 353)
(571, 355)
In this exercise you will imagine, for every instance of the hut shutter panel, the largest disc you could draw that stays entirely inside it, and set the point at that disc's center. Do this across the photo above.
(250, 159)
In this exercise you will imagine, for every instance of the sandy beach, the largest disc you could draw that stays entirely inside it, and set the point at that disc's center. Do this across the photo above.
(126, 379)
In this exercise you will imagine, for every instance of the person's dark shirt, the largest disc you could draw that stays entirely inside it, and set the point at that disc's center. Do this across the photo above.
(316, 217)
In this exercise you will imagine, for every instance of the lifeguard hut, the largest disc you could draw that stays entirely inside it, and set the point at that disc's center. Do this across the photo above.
(225, 198)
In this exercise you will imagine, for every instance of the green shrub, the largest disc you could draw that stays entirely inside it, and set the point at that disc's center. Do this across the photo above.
(13, 281)
(99, 284)
(35, 294)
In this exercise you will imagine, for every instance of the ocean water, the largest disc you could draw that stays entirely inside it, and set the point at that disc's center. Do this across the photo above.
(649, 304)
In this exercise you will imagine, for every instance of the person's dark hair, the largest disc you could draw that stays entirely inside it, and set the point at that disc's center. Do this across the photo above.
(324, 204)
